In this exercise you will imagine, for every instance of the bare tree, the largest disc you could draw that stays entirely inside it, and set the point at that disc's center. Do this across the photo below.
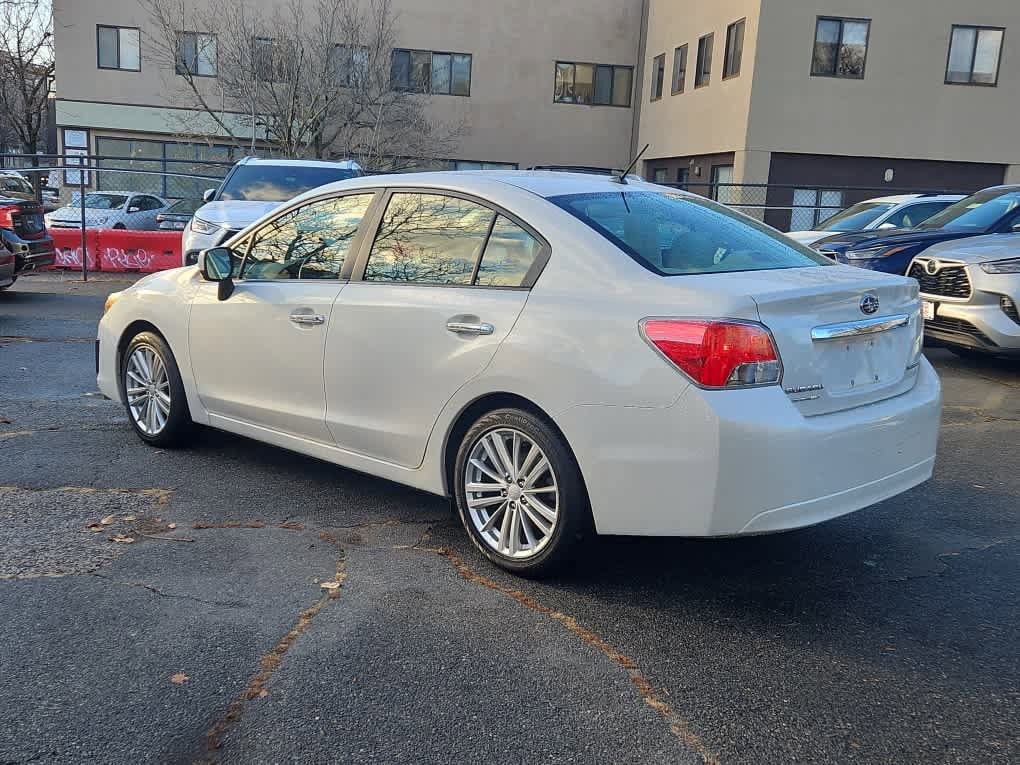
(309, 78)
(26, 70)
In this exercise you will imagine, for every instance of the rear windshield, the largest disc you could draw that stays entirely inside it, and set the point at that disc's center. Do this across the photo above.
(672, 234)
(975, 213)
(278, 183)
(857, 217)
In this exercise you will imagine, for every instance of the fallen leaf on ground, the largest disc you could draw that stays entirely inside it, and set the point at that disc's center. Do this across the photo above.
(171, 526)
(130, 517)
(330, 585)
(179, 679)
(263, 693)
(108, 520)
(94, 527)
(122, 539)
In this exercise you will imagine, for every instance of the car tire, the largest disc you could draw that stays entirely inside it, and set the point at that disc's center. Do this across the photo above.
(119, 226)
(158, 414)
(504, 499)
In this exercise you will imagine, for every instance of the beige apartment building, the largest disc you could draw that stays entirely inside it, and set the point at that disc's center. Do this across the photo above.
(812, 97)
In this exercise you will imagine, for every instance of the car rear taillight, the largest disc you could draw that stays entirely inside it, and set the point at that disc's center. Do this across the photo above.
(716, 353)
(9, 216)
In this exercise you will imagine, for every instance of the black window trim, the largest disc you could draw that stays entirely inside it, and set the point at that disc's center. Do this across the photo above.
(594, 66)
(673, 89)
(973, 54)
(180, 65)
(867, 47)
(357, 273)
(118, 68)
(726, 51)
(697, 66)
(652, 96)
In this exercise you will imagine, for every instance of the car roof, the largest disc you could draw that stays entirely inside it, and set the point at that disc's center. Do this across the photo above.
(346, 164)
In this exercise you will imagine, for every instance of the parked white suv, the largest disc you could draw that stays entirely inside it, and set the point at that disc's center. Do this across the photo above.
(901, 211)
(252, 188)
(970, 290)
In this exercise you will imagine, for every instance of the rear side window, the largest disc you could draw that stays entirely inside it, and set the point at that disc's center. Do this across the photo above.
(673, 235)
(439, 239)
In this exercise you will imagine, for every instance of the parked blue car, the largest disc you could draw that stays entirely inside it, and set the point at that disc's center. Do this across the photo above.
(992, 211)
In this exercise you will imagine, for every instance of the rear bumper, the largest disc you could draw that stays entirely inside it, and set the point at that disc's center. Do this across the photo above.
(29, 254)
(6, 269)
(725, 463)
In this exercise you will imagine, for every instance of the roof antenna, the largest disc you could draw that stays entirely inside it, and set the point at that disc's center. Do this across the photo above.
(622, 177)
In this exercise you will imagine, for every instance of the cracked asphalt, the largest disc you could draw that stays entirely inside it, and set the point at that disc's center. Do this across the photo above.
(887, 636)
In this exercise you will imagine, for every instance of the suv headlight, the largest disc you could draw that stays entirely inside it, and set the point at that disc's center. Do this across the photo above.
(873, 252)
(200, 226)
(1008, 266)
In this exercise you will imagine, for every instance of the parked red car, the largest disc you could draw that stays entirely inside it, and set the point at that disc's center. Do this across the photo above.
(26, 245)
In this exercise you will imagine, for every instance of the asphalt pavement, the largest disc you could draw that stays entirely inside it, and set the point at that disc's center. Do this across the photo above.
(236, 603)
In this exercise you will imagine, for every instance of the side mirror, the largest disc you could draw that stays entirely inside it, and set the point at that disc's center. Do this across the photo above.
(1016, 228)
(208, 194)
(134, 209)
(888, 225)
(216, 265)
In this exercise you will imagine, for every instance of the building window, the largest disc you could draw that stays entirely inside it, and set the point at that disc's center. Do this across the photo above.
(722, 184)
(734, 49)
(974, 54)
(661, 175)
(841, 48)
(704, 63)
(196, 54)
(165, 165)
(658, 75)
(679, 69)
(349, 64)
(425, 71)
(118, 48)
(682, 177)
(263, 51)
(811, 207)
(592, 84)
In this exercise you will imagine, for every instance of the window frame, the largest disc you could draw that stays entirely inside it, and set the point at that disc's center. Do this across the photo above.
(742, 24)
(839, 46)
(118, 68)
(595, 67)
(973, 54)
(699, 70)
(673, 89)
(357, 273)
(658, 84)
(180, 66)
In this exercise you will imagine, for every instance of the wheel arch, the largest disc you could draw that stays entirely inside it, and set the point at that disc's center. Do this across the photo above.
(132, 330)
(478, 407)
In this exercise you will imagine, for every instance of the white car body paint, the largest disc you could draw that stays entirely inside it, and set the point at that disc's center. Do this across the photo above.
(659, 455)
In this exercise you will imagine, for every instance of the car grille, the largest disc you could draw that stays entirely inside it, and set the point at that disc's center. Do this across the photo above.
(961, 326)
(948, 281)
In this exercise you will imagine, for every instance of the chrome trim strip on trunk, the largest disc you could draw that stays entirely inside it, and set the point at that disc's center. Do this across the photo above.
(860, 327)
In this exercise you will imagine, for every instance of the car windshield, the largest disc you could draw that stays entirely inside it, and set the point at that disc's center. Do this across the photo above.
(278, 183)
(856, 217)
(975, 213)
(16, 185)
(101, 201)
(673, 234)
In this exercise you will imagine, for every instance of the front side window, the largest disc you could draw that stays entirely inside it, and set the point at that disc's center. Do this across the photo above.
(673, 235)
(592, 84)
(841, 48)
(854, 218)
(96, 201)
(429, 239)
(679, 69)
(196, 54)
(704, 71)
(734, 49)
(974, 54)
(310, 242)
(977, 212)
(118, 48)
(658, 75)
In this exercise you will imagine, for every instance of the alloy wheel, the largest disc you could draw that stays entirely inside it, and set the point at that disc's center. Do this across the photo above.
(512, 495)
(147, 385)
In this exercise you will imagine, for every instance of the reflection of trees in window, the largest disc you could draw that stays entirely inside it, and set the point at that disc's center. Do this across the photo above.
(311, 242)
(841, 47)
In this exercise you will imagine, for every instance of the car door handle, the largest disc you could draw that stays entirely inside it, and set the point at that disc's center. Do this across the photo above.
(470, 328)
(307, 319)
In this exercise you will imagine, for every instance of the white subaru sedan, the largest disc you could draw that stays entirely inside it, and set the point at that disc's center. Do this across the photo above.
(562, 354)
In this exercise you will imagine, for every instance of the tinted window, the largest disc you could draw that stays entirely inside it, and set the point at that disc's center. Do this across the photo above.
(977, 212)
(856, 217)
(310, 242)
(671, 234)
(914, 215)
(428, 239)
(509, 254)
(278, 183)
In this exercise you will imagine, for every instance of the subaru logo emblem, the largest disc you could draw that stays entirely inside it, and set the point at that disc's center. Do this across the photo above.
(869, 304)
(932, 267)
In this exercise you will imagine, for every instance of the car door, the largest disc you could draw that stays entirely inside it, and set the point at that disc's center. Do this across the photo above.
(257, 356)
(442, 285)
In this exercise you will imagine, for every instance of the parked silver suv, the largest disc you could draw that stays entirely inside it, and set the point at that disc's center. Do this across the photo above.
(970, 290)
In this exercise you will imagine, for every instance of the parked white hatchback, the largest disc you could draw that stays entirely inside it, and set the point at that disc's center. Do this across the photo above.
(563, 354)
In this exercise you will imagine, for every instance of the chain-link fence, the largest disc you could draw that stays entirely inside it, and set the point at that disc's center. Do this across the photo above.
(797, 208)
